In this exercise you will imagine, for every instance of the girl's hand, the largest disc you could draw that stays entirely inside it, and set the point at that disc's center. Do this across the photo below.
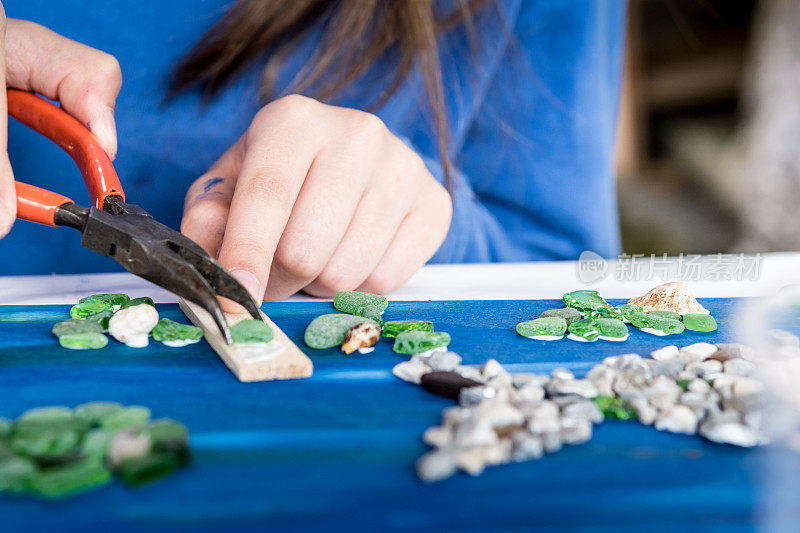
(85, 81)
(318, 198)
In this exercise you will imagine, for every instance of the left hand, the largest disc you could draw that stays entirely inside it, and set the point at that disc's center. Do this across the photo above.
(317, 198)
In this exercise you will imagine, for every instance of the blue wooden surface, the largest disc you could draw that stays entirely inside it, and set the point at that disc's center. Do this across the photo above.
(337, 451)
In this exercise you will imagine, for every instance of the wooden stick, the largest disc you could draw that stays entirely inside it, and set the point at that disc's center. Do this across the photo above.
(278, 359)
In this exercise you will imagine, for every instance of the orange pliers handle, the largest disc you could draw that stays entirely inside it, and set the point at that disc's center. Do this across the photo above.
(39, 205)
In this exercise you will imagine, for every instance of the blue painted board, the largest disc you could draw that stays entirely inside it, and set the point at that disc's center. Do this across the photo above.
(337, 451)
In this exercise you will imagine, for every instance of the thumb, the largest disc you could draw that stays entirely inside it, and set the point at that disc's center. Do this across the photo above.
(84, 80)
(8, 196)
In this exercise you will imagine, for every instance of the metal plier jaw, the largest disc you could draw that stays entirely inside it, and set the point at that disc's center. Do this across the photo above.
(124, 232)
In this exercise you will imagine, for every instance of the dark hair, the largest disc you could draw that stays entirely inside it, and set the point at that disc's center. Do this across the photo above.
(356, 34)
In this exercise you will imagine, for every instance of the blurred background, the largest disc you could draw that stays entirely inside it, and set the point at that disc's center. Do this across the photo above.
(708, 156)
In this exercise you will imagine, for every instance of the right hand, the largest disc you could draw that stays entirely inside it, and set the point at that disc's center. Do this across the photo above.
(85, 82)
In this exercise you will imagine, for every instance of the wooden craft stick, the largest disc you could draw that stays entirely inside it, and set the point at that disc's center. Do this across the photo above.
(278, 359)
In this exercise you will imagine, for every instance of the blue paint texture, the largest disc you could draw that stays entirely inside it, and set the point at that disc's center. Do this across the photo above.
(337, 451)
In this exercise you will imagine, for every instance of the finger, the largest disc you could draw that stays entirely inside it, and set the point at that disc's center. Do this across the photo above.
(279, 148)
(321, 215)
(368, 236)
(84, 80)
(413, 245)
(8, 196)
(205, 210)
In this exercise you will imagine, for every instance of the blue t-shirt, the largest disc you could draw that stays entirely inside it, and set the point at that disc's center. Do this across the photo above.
(532, 112)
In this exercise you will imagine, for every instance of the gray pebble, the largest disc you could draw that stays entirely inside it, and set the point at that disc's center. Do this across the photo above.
(727, 351)
(666, 367)
(738, 367)
(526, 378)
(602, 377)
(531, 394)
(575, 431)
(583, 410)
(472, 432)
(662, 393)
(551, 441)
(708, 369)
(445, 361)
(474, 395)
(525, 446)
(580, 387)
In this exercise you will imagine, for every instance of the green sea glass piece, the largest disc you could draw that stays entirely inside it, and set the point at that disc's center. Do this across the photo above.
(95, 445)
(629, 309)
(83, 341)
(699, 322)
(75, 327)
(80, 334)
(88, 308)
(683, 384)
(251, 330)
(138, 470)
(553, 326)
(356, 302)
(93, 412)
(584, 328)
(48, 448)
(102, 319)
(169, 330)
(666, 314)
(611, 327)
(665, 325)
(168, 436)
(567, 313)
(585, 301)
(393, 328)
(109, 298)
(125, 418)
(16, 474)
(137, 301)
(6, 426)
(47, 419)
(615, 408)
(69, 479)
(372, 313)
(327, 331)
(418, 341)
(609, 312)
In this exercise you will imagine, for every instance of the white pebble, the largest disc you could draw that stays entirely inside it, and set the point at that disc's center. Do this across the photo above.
(127, 445)
(699, 351)
(435, 466)
(677, 419)
(411, 371)
(738, 367)
(665, 353)
(437, 436)
(132, 325)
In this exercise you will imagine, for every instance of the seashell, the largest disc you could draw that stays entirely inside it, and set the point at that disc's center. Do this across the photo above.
(674, 296)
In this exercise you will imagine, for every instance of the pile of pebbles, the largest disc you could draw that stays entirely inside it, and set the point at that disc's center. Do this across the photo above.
(702, 388)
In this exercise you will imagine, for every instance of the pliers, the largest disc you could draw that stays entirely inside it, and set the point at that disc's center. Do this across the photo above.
(114, 228)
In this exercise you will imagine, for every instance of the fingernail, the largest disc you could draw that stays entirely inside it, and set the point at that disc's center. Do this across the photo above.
(105, 129)
(250, 282)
